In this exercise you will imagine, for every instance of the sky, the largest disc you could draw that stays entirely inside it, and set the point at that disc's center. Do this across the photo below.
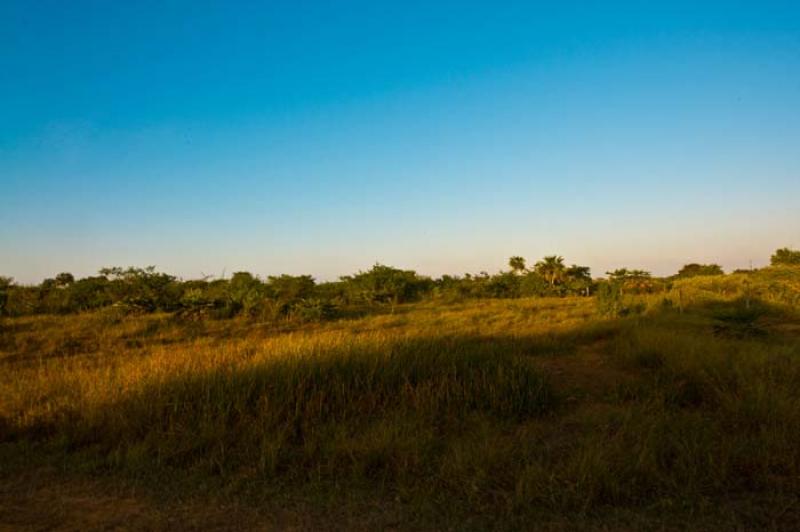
(323, 137)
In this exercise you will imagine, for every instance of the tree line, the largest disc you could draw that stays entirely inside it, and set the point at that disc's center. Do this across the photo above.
(300, 297)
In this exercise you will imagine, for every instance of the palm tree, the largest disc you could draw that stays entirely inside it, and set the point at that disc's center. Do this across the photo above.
(551, 268)
(579, 272)
(517, 264)
(579, 278)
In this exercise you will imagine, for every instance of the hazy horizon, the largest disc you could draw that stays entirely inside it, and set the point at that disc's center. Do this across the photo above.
(307, 138)
(494, 266)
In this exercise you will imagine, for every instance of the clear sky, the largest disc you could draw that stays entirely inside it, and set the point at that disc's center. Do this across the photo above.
(321, 137)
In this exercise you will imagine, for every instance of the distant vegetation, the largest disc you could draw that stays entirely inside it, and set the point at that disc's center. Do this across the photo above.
(694, 269)
(300, 298)
(284, 297)
(785, 257)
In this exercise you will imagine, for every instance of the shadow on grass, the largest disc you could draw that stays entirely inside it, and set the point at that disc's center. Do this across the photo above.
(469, 420)
(436, 377)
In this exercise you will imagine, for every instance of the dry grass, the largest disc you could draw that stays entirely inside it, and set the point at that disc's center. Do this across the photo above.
(484, 414)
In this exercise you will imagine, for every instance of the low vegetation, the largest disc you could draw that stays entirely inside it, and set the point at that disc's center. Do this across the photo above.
(283, 297)
(410, 403)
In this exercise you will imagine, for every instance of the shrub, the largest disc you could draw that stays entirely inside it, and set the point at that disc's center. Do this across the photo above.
(694, 270)
(785, 257)
(609, 298)
(388, 285)
(310, 310)
(5, 286)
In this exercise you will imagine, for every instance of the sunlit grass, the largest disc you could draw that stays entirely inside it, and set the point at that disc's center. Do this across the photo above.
(500, 406)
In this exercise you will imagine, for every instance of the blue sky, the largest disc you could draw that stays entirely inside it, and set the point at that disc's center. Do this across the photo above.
(316, 137)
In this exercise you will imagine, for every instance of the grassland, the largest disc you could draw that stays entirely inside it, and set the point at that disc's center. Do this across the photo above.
(499, 414)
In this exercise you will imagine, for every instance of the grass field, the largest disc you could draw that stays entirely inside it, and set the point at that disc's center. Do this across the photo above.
(481, 414)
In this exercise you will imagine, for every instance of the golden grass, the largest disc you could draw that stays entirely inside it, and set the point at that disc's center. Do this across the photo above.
(501, 408)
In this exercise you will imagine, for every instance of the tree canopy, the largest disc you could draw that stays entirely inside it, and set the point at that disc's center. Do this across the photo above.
(517, 264)
(785, 257)
(693, 270)
(135, 289)
(551, 268)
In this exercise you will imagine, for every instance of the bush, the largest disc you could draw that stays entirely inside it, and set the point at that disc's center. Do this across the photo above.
(609, 298)
(694, 270)
(310, 310)
(387, 285)
(5, 286)
(785, 257)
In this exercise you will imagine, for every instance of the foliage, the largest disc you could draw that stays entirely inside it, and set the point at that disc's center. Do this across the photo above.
(609, 298)
(634, 281)
(289, 297)
(313, 310)
(517, 264)
(694, 269)
(280, 297)
(289, 288)
(142, 289)
(504, 284)
(578, 279)
(551, 268)
(246, 294)
(385, 284)
(785, 257)
(64, 279)
(5, 285)
(533, 284)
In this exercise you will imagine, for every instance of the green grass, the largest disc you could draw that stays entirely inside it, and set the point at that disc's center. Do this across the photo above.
(487, 414)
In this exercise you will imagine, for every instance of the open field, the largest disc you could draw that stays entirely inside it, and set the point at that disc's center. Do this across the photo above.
(480, 414)
(403, 266)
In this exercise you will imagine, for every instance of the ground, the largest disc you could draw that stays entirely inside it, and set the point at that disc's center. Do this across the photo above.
(663, 420)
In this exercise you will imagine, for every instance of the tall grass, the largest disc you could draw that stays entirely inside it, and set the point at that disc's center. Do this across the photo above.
(499, 407)
(287, 402)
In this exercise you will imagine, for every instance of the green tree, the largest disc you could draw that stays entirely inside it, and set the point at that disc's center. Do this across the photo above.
(5, 288)
(552, 269)
(289, 288)
(143, 288)
(578, 279)
(517, 264)
(246, 292)
(623, 274)
(785, 257)
(694, 270)
(504, 284)
(385, 284)
(533, 284)
(89, 293)
(64, 279)
(631, 280)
